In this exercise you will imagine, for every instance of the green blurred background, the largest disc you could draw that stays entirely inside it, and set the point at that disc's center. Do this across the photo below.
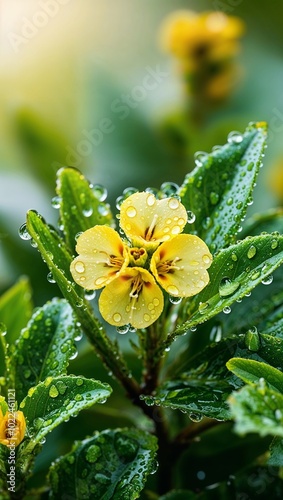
(65, 67)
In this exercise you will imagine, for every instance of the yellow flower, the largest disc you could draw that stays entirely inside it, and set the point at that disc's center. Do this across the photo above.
(12, 428)
(147, 221)
(209, 35)
(155, 254)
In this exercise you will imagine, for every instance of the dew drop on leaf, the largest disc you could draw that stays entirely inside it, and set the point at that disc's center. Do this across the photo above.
(227, 287)
(252, 339)
(23, 232)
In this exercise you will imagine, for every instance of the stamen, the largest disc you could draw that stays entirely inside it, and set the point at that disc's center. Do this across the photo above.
(149, 232)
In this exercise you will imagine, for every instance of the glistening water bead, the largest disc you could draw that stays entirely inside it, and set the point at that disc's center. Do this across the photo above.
(23, 232)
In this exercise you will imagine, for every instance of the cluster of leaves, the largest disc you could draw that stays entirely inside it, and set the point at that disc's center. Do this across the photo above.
(227, 367)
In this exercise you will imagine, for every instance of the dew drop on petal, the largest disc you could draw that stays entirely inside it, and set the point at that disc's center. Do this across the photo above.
(156, 302)
(117, 317)
(206, 259)
(131, 212)
(150, 200)
(173, 203)
(172, 290)
(146, 317)
(175, 230)
(79, 267)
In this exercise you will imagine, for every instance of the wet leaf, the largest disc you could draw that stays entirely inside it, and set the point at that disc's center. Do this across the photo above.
(276, 452)
(251, 371)
(257, 408)
(219, 189)
(111, 464)
(234, 272)
(16, 308)
(81, 206)
(44, 347)
(57, 399)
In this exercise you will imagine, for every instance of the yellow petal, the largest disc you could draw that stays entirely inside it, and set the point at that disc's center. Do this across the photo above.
(132, 298)
(12, 428)
(102, 256)
(180, 265)
(148, 221)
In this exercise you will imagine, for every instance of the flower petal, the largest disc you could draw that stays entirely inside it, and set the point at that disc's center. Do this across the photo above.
(133, 297)
(148, 221)
(180, 264)
(102, 256)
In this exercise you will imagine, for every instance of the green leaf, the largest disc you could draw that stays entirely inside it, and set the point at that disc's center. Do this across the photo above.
(256, 408)
(234, 272)
(195, 396)
(44, 347)
(81, 206)
(3, 348)
(56, 399)
(269, 221)
(276, 453)
(251, 371)
(111, 464)
(219, 189)
(16, 308)
(58, 259)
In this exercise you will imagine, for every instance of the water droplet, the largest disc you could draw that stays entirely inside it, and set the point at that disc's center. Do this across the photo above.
(53, 391)
(172, 290)
(90, 294)
(129, 191)
(173, 203)
(175, 300)
(150, 200)
(200, 157)
(169, 188)
(79, 267)
(227, 287)
(42, 440)
(251, 252)
(122, 329)
(268, 280)
(255, 275)
(50, 278)
(119, 202)
(252, 339)
(87, 212)
(79, 381)
(131, 212)
(73, 353)
(234, 137)
(216, 333)
(274, 244)
(23, 232)
(191, 217)
(206, 259)
(226, 310)
(56, 202)
(100, 192)
(202, 307)
(234, 257)
(195, 417)
(117, 317)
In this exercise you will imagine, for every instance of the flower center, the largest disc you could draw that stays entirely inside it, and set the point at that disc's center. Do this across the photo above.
(138, 256)
(168, 266)
(137, 285)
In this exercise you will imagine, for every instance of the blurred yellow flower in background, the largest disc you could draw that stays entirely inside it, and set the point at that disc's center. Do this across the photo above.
(205, 44)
